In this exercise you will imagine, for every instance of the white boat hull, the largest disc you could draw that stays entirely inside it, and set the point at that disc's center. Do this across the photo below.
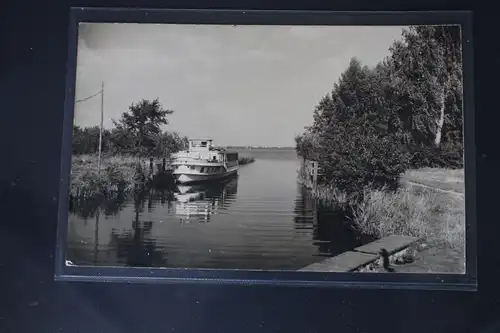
(185, 178)
(201, 163)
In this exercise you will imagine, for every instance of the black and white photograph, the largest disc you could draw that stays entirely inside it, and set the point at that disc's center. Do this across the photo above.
(269, 148)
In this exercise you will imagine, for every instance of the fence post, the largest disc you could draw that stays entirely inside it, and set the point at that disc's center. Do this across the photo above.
(315, 174)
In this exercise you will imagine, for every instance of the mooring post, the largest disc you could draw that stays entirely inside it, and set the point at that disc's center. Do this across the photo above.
(315, 174)
(151, 165)
(310, 173)
(163, 164)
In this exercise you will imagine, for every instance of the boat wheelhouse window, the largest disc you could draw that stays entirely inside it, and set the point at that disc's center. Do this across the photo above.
(202, 169)
(203, 144)
(214, 158)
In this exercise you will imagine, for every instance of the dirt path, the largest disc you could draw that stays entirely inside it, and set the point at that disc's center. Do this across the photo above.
(414, 183)
(436, 257)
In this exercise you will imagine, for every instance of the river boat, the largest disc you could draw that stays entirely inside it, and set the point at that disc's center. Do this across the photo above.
(203, 162)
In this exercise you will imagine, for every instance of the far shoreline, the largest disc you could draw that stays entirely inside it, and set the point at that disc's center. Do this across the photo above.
(258, 148)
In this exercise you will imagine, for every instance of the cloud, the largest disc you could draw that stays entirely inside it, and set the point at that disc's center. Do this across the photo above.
(241, 85)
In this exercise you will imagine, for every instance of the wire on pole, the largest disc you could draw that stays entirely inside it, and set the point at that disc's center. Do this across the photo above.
(100, 130)
(84, 99)
(101, 92)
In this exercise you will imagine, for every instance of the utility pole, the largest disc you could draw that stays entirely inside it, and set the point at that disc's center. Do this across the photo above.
(102, 120)
(100, 130)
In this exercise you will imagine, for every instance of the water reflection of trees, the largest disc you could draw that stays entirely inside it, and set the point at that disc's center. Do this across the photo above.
(216, 193)
(136, 247)
(90, 207)
(331, 230)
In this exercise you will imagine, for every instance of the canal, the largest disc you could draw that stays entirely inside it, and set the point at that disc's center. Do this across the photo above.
(259, 220)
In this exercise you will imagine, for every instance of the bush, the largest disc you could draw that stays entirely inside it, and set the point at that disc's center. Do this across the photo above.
(115, 178)
(446, 156)
(353, 160)
(107, 183)
(246, 160)
(306, 145)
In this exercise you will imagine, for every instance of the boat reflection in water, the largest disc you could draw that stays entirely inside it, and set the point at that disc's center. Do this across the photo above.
(196, 203)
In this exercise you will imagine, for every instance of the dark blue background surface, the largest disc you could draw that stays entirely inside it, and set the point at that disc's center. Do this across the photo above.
(34, 53)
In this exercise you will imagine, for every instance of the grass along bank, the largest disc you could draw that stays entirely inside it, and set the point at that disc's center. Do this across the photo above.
(444, 179)
(119, 175)
(329, 196)
(246, 160)
(430, 204)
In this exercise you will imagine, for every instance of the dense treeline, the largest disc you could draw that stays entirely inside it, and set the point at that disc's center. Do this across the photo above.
(138, 132)
(404, 113)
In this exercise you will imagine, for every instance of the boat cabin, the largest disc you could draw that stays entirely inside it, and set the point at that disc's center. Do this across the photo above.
(200, 145)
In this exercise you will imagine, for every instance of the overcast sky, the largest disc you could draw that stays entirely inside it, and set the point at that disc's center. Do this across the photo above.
(243, 85)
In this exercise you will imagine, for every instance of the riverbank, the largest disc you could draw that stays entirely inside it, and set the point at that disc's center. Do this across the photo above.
(119, 175)
(443, 251)
(429, 205)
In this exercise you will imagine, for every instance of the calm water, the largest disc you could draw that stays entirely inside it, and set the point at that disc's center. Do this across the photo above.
(259, 220)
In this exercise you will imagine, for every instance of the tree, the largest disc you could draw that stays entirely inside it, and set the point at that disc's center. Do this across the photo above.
(353, 159)
(427, 79)
(86, 140)
(405, 112)
(170, 143)
(349, 99)
(426, 75)
(350, 137)
(352, 94)
(140, 127)
(138, 132)
(307, 145)
(122, 141)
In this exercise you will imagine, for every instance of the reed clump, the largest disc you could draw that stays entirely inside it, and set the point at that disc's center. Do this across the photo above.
(382, 213)
(410, 211)
(331, 197)
(327, 194)
(119, 175)
(246, 160)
